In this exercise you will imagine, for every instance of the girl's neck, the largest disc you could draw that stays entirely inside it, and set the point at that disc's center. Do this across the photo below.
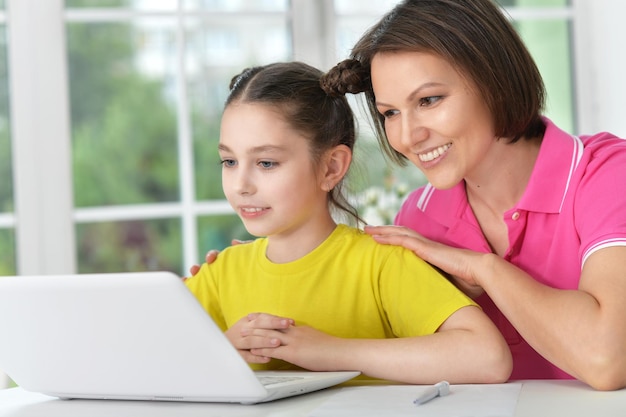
(288, 247)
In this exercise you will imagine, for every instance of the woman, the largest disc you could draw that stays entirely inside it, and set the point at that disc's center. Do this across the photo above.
(525, 217)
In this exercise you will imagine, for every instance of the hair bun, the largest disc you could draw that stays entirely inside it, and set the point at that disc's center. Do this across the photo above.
(348, 76)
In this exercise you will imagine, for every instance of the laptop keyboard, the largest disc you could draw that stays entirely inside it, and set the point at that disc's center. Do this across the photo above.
(272, 380)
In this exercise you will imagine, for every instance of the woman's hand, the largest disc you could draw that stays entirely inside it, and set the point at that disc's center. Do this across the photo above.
(211, 256)
(462, 265)
(257, 331)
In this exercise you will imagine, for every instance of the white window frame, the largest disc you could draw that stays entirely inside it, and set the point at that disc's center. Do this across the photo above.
(45, 218)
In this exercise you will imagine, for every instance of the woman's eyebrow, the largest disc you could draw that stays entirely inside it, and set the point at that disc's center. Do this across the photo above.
(413, 93)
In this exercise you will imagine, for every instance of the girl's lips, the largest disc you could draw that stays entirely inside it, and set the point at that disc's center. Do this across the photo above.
(251, 212)
(434, 154)
(251, 209)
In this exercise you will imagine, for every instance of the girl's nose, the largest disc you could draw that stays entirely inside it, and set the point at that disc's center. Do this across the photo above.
(244, 183)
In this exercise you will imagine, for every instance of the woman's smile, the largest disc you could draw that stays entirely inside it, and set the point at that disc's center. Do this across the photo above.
(434, 154)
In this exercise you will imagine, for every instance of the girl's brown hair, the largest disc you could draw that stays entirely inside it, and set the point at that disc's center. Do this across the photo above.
(298, 92)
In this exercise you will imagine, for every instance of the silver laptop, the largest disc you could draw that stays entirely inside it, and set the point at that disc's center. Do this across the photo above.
(135, 336)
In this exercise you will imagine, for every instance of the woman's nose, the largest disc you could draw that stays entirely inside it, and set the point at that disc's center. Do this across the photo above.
(413, 131)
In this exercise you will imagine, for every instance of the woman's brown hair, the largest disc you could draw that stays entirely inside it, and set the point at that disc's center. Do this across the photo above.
(472, 35)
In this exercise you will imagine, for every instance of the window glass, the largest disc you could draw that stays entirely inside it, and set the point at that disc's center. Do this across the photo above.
(212, 5)
(122, 96)
(364, 7)
(129, 117)
(217, 232)
(376, 185)
(237, 5)
(130, 246)
(134, 4)
(533, 3)
(6, 168)
(549, 43)
(215, 52)
(7, 232)
(7, 235)
(7, 252)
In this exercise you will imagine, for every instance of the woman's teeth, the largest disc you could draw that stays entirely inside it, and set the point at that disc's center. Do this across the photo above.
(436, 153)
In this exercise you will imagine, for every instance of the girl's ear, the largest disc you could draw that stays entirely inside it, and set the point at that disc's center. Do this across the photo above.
(336, 166)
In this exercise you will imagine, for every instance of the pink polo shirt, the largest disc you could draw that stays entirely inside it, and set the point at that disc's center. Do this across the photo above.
(575, 204)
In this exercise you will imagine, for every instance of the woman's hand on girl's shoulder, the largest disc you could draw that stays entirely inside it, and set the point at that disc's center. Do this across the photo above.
(211, 256)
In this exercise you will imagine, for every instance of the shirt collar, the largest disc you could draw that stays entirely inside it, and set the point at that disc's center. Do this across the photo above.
(558, 158)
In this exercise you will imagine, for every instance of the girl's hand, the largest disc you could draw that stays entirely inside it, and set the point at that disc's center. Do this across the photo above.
(257, 331)
(305, 347)
(462, 265)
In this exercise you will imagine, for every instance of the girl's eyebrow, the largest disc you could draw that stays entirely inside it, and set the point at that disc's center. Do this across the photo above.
(256, 149)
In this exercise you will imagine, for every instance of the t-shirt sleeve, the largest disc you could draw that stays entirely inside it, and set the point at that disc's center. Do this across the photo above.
(416, 297)
(600, 206)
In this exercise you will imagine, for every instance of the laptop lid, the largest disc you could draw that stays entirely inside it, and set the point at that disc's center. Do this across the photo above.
(123, 336)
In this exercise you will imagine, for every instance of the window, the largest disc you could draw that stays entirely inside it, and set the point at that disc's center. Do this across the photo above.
(107, 140)
(147, 85)
(545, 26)
(7, 218)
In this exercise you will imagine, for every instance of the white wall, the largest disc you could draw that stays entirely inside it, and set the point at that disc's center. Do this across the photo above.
(601, 61)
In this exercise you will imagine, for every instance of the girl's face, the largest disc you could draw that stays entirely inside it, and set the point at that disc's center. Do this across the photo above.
(268, 175)
(433, 115)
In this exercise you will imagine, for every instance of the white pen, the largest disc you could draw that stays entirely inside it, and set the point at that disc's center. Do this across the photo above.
(440, 389)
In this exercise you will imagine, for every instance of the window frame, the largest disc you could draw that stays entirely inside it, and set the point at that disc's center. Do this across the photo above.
(45, 219)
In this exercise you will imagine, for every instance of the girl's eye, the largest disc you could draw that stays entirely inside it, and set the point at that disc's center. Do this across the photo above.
(429, 101)
(228, 162)
(267, 164)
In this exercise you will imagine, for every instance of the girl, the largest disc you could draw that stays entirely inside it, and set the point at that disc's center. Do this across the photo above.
(311, 293)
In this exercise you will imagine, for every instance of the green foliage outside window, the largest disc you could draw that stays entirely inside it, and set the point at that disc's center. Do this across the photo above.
(6, 167)
(7, 252)
(130, 246)
(123, 130)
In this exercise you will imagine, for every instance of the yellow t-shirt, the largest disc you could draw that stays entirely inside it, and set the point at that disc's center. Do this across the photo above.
(350, 286)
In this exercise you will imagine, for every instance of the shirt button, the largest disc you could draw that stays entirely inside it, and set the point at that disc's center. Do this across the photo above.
(515, 215)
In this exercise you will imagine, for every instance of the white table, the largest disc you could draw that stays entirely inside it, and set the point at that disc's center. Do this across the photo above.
(536, 399)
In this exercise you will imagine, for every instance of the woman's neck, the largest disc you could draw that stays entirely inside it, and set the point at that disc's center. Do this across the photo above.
(498, 187)
(503, 176)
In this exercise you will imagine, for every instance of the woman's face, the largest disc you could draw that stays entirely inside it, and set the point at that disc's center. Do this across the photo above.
(433, 115)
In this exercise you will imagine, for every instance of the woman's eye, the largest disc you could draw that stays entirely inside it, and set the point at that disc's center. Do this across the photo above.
(228, 162)
(267, 164)
(389, 113)
(429, 101)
